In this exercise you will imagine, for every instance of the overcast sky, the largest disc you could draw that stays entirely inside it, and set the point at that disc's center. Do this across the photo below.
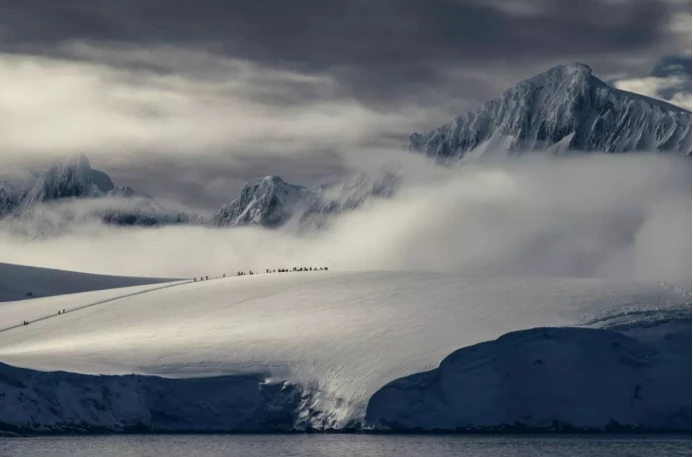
(192, 97)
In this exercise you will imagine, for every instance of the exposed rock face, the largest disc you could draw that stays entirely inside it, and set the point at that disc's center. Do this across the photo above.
(10, 198)
(267, 201)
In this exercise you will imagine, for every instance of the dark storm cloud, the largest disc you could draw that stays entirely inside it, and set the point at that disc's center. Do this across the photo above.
(304, 89)
(678, 67)
(376, 47)
(669, 79)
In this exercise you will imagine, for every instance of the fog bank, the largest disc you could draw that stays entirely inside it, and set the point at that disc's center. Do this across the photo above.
(625, 216)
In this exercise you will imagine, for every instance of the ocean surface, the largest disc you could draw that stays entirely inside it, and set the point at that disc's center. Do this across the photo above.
(345, 445)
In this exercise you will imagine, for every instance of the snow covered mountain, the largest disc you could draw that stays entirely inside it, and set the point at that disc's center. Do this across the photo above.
(268, 202)
(565, 108)
(74, 178)
(272, 202)
(71, 180)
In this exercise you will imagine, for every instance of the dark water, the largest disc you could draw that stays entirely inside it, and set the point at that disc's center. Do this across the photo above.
(345, 445)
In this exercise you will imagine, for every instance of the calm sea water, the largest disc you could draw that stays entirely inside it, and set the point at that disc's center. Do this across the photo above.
(345, 445)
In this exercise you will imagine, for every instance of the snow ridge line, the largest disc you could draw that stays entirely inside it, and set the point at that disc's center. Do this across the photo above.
(101, 302)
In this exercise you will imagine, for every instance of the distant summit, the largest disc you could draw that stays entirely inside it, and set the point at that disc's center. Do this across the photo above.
(267, 201)
(272, 202)
(72, 178)
(564, 108)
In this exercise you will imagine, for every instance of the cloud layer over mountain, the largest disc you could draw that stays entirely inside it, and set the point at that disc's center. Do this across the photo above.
(187, 100)
(605, 216)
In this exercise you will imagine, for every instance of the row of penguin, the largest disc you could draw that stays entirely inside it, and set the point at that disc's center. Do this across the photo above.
(240, 273)
(268, 271)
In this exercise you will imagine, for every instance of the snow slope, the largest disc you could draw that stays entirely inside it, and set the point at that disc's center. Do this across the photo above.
(549, 378)
(16, 281)
(336, 337)
(564, 108)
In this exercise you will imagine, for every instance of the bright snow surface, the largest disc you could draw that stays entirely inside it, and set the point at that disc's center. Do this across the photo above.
(344, 334)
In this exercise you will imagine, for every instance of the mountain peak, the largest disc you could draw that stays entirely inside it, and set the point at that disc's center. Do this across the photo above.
(266, 201)
(77, 161)
(272, 202)
(272, 180)
(571, 68)
(564, 108)
(69, 178)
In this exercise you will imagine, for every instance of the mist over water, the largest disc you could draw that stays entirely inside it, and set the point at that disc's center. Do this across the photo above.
(613, 216)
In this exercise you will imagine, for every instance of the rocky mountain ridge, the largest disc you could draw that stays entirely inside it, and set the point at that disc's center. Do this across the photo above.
(563, 109)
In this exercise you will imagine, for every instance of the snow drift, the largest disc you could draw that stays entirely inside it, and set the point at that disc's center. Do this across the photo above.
(317, 347)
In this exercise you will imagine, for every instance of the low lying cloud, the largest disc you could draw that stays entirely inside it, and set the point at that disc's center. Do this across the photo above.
(625, 216)
(168, 120)
(185, 123)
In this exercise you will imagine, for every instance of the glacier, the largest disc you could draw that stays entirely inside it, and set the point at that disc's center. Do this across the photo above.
(348, 350)
(564, 109)
(560, 379)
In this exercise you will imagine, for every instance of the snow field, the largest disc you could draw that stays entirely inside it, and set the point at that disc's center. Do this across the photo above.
(342, 335)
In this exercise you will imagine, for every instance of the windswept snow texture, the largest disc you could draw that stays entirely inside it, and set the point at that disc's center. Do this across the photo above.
(19, 282)
(565, 108)
(336, 337)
